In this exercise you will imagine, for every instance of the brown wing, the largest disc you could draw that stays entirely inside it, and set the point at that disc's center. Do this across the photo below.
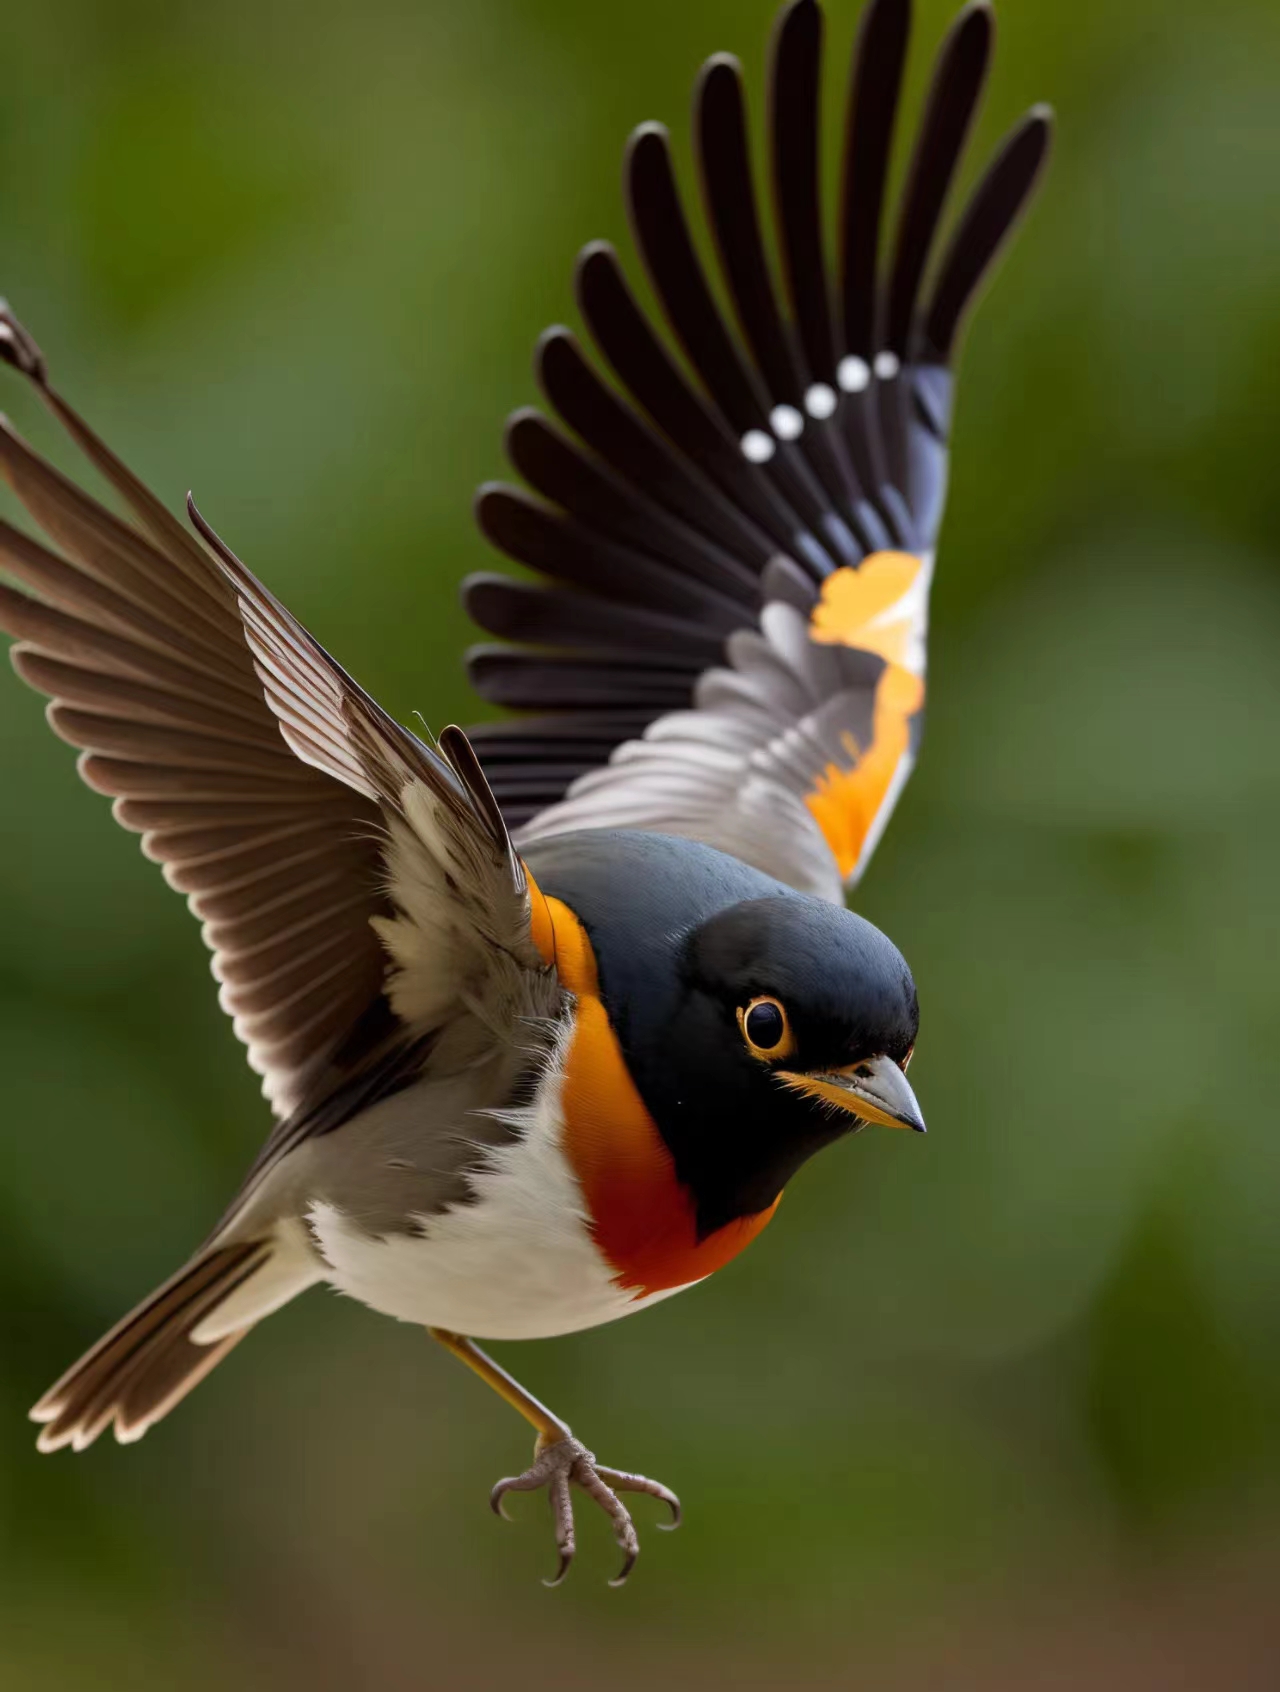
(739, 543)
(270, 788)
(460, 959)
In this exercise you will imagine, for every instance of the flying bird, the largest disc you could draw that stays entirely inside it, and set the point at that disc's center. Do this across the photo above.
(549, 1013)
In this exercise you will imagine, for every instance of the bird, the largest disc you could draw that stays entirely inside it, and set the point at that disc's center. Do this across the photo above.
(549, 1012)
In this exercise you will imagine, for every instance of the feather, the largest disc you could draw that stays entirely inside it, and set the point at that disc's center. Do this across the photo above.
(732, 480)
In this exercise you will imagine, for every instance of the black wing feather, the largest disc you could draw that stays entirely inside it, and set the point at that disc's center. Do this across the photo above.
(990, 217)
(795, 440)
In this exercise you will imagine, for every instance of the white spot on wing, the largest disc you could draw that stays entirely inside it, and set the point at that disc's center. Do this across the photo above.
(787, 422)
(853, 374)
(888, 365)
(820, 400)
(757, 447)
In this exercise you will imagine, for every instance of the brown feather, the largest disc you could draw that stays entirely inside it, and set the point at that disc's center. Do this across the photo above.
(150, 1344)
(136, 637)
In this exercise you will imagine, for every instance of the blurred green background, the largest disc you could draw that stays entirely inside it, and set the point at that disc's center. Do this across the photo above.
(1000, 1407)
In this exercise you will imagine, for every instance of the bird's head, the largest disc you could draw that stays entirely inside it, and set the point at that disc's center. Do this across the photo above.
(790, 1026)
(757, 1023)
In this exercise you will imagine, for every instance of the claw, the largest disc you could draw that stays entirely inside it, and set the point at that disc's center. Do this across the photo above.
(561, 1501)
(530, 1481)
(566, 1557)
(620, 1481)
(564, 1463)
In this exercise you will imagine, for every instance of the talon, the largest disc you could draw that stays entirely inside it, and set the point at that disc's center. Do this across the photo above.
(562, 1464)
(497, 1498)
(621, 1482)
(561, 1501)
(566, 1557)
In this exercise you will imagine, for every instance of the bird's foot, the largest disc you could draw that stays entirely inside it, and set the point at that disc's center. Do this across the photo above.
(562, 1464)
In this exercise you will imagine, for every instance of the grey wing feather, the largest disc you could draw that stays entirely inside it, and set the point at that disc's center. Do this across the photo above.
(357, 887)
(135, 636)
(463, 975)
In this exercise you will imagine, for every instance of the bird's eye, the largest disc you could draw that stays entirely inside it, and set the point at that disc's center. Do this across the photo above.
(766, 1029)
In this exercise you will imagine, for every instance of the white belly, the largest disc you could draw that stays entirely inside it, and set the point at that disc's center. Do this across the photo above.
(517, 1262)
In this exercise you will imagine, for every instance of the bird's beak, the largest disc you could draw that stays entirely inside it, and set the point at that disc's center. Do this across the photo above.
(875, 1090)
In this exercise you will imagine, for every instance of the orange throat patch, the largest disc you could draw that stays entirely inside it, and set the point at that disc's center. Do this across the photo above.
(642, 1218)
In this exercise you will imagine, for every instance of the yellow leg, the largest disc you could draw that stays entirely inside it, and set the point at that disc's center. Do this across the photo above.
(560, 1463)
(551, 1430)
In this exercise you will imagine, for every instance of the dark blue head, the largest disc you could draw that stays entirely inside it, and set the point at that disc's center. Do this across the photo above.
(758, 1023)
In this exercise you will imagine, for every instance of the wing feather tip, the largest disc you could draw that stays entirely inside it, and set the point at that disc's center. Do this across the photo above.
(985, 9)
(18, 348)
(645, 134)
(595, 256)
(719, 65)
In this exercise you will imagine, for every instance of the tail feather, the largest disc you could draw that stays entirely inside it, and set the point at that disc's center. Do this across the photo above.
(139, 1371)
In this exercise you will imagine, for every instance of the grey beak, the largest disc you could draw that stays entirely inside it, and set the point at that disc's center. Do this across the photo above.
(880, 1093)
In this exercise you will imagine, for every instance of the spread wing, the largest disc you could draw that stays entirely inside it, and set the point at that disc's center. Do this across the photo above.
(738, 544)
(357, 888)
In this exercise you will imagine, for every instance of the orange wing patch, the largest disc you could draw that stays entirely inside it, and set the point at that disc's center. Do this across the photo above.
(846, 802)
(869, 608)
(864, 607)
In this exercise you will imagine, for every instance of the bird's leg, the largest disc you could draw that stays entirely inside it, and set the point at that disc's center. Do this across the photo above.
(561, 1462)
(550, 1428)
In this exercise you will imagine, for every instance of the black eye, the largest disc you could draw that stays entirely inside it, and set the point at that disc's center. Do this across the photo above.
(765, 1028)
(766, 1025)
